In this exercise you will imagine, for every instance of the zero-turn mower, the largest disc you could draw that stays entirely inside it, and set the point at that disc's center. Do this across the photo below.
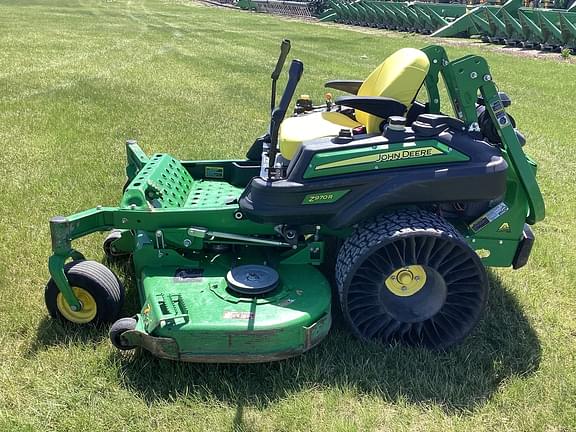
(226, 253)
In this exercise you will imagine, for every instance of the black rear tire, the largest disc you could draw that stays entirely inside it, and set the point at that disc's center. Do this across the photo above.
(446, 287)
(96, 286)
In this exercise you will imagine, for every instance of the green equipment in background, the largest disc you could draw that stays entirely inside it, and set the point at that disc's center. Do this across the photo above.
(509, 23)
(232, 258)
(545, 25)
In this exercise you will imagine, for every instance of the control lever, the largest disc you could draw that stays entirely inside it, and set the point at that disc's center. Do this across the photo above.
(278, 114)
(284, 50)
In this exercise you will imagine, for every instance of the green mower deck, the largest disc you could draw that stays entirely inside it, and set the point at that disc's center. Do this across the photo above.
(191, 304)
(226, 254)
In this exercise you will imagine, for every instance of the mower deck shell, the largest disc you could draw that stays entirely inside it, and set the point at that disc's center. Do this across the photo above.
(192, 305)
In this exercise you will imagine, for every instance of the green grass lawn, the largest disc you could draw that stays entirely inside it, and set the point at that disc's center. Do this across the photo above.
(78, 77)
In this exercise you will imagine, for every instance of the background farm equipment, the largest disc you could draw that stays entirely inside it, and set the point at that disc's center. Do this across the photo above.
(539, 25)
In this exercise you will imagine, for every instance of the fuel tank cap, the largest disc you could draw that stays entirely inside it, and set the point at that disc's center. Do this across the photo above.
(252, 279)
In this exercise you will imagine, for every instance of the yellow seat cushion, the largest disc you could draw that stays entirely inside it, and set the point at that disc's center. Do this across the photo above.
(399, 77)
(295, 130)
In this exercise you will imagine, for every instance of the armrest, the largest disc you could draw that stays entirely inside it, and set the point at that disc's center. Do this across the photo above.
(348, 86)
(379, 106)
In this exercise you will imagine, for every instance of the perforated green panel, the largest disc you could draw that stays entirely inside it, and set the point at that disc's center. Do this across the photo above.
(164, 183)
(208, 194)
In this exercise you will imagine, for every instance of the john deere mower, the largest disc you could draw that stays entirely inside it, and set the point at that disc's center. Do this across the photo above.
(411, 203)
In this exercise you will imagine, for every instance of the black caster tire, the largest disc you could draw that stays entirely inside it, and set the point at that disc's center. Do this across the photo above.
(96, 286)
(108, 248)
(118, 329)
(410, 278)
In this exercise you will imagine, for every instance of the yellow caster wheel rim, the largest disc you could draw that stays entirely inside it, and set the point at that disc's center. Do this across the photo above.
(84, 315)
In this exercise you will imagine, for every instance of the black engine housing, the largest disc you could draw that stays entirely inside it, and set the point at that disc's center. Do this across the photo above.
(481, 179)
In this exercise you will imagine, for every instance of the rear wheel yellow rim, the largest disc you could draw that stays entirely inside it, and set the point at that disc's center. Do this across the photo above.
(406, 281)
(84, 315)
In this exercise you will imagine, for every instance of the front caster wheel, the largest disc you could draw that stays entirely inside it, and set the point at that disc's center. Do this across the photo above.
(99, 291)
(409, 277)
(118, 329)
(111, 252)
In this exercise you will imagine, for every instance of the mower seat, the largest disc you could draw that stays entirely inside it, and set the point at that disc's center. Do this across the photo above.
(399, 77)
